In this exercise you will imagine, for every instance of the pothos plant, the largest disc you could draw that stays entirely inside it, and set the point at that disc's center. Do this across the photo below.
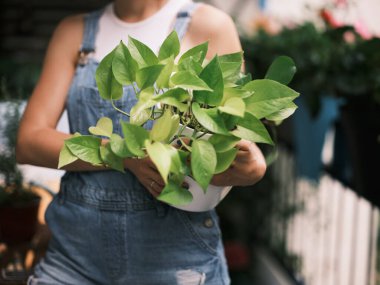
(211, 97)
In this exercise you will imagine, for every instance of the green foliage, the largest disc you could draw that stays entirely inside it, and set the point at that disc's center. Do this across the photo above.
(12, 190)
(9, 126)
(327, 64)
(210, 97)
(355, 67)
(17, 78)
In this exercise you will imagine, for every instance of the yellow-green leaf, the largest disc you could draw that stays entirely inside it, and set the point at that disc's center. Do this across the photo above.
(175, 195)
(224, 160)
(86, 148)
(170, 46)
(165, 127)
(203, 162)
(110, 159)
(124, 67)
(104, 127)
(161, 158)
(233, 106)
(66, 157)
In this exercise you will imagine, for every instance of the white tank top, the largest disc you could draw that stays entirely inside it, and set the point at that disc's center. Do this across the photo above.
(151, 31)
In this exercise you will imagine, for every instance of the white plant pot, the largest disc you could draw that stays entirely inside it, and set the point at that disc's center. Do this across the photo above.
(203, 201)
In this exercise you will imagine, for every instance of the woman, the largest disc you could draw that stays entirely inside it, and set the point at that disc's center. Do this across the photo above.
(107, 227)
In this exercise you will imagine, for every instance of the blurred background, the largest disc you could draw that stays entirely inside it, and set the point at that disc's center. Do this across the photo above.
(314, 218)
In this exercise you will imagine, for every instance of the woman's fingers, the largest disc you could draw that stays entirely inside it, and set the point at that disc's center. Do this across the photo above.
(154, 188)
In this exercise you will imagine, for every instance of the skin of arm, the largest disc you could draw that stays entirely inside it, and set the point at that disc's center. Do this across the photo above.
(38, 142)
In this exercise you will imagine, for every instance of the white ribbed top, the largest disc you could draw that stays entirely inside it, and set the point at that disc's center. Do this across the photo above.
(151, 31)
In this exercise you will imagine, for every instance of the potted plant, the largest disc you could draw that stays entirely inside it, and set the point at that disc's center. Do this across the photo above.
(18, 204)
(188, 99)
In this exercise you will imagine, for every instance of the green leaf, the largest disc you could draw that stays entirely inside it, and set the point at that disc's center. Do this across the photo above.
(229, 120)
(230, 70)
(182, 107)
(179, 165)
(86, 148)
(175, 195)
(224, 160)
(283, 113)
(65, 156)
(244, 79)
(191, 65)
(110, 159)
(139, 117)
(212, 76)
(252, 129)
(282, 70)
(188, 80)
(230, 65)
(170, 46)
(146, 76)
(209, 119)
(141, 53)
(124, 67)
(141, 111)
(223, 143)
(232, 92)
(164, 77)
(236, 57)
(177, 93)
(161, 158)
(165, 127)
(107, 84)
(269, 97)
(203, 162)
(135, 137)
(104, 127)
(233, 106)
(119, 146)
(174, 97)
(198, 53)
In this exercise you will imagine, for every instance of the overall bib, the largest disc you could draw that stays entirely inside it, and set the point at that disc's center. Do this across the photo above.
(106, 227)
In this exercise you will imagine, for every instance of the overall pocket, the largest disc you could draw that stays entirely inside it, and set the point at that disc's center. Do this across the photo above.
(92, 107)
(203, 228)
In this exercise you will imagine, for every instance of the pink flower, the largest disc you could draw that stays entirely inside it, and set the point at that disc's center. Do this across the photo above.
(362, 30)
(329, 19)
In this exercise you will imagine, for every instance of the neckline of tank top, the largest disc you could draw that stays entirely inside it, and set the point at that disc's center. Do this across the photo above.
(170, 4)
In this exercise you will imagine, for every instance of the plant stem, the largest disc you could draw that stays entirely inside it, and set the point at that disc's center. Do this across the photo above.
(184, 144)
(119, 110)
(134, 89)
(201, 135)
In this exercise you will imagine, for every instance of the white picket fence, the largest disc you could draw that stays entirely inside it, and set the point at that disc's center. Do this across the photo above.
(334, 235)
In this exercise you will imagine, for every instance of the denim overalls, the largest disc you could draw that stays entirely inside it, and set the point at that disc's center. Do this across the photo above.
(106, 227)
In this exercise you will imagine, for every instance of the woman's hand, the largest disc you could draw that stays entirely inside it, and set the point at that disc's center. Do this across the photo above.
(248, 167)
(147, 173)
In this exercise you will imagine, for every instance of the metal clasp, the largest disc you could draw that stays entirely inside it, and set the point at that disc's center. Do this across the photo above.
(82, 58)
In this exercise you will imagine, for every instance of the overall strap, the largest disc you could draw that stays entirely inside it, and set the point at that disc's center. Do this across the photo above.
(91, 25)
(183, 19)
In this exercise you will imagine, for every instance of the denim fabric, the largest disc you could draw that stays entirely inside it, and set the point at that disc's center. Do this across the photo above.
(107, 228)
